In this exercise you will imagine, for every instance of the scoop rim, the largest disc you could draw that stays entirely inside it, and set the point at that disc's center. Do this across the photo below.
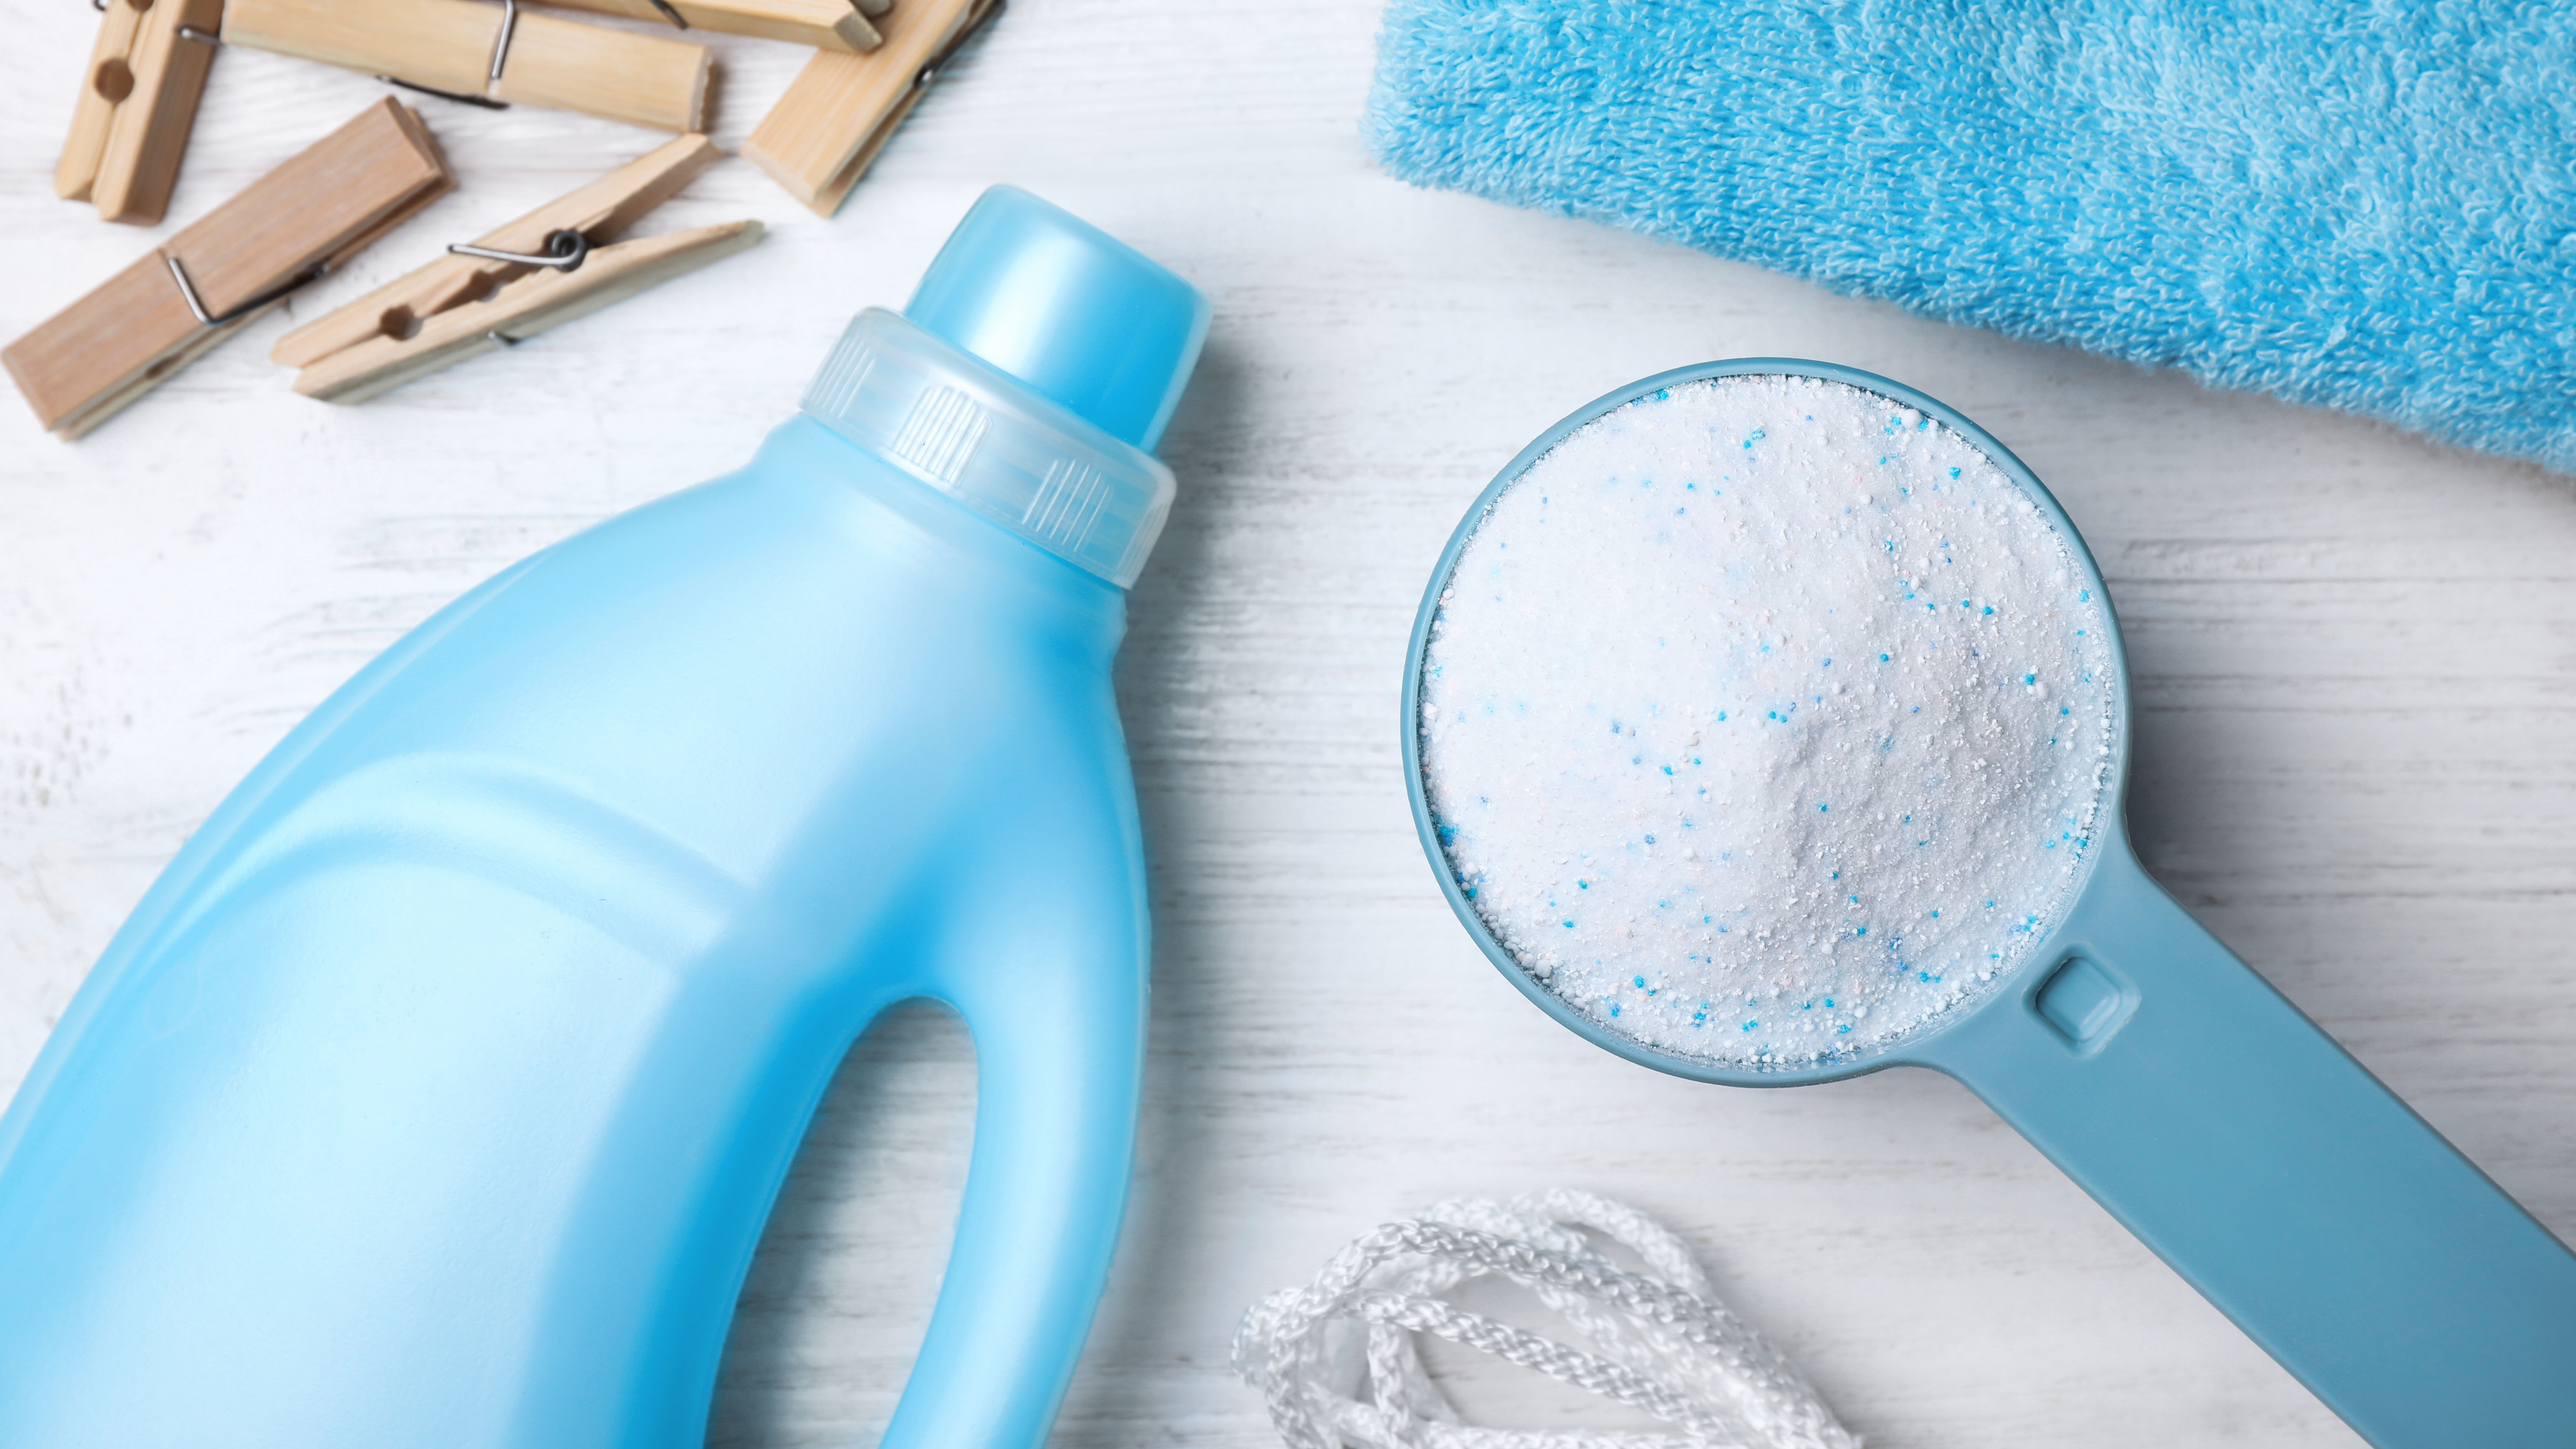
(1918, 1047)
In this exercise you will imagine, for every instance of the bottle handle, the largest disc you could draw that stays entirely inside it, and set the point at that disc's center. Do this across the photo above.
(2272, 1171)
(1053, 990)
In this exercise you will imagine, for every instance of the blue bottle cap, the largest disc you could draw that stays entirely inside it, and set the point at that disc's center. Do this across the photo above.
(1037, 367)
(1081, 317)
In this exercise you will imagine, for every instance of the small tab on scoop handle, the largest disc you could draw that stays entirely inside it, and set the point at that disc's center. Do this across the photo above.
(2279, 1177)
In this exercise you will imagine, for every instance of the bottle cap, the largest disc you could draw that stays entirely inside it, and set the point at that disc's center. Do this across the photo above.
(1068, 309)
(1039, 361)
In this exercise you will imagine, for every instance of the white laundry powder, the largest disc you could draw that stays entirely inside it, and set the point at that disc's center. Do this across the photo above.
(1765, 719)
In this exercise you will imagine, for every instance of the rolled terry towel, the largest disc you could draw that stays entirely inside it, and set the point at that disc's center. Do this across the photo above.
(2369, 207)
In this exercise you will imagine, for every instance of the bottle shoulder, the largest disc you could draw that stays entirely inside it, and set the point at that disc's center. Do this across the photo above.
(949, 553)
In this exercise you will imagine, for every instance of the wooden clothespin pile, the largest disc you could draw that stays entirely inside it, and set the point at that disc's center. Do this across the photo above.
(873, 59)
(233, 264)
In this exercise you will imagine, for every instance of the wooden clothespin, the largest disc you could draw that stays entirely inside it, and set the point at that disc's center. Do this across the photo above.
(490, 55)
(137, 104)
(841, 109)
(201, 286)
(822, 24)
(511, 284)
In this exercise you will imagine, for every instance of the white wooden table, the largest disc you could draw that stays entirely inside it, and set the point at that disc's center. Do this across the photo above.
(2355, 661)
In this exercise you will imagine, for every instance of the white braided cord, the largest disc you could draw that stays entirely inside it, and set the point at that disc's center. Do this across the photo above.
(1339, 1366)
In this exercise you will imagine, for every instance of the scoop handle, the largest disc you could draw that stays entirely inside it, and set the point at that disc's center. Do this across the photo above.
(2272, 1171)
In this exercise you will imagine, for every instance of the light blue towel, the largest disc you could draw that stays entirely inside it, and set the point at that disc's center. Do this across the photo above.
(2369, 207)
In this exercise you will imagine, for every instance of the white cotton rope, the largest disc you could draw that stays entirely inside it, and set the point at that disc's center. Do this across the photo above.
(1338, 1364)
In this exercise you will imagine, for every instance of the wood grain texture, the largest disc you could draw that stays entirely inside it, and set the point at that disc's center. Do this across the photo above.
(148, 134)
(642, 78)
(133, 332)
(535, 303)
(2354, 679)
(443, 44)
(625, 75)
(599, 211)
(822, 24)
(821, 136)
(106, 83)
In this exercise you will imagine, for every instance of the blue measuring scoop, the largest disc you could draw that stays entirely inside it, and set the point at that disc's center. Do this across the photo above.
(2211, 1117)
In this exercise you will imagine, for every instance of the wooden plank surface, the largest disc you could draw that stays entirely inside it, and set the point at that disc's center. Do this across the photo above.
(2354, 676)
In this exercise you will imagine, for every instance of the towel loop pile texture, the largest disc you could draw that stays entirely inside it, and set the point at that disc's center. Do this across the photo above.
(2361, 206)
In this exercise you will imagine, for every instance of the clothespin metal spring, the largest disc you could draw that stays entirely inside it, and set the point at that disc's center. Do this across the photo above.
(197, 306)
(500, 58)
(500, 54)
(930, 68)
(565, 250)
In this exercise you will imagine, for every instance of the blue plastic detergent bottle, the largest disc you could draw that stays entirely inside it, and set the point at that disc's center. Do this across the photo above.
(437, 1093)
